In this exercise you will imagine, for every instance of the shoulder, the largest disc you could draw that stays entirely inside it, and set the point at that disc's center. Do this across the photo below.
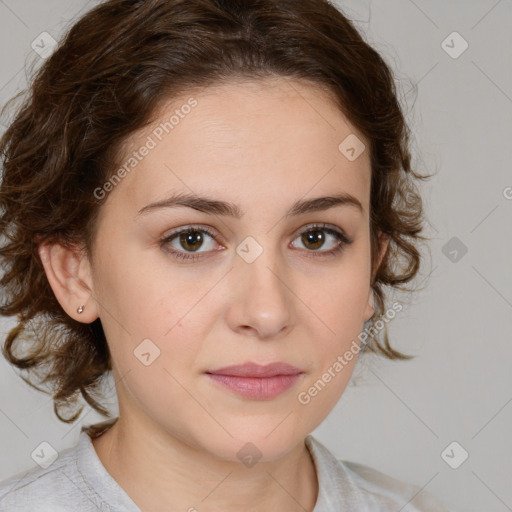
(393, 491)
(51, 489)
(349, 484)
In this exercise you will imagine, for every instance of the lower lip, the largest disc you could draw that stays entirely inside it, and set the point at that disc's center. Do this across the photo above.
(256, 388)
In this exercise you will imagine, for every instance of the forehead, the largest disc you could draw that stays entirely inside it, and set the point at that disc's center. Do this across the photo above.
(243, 139)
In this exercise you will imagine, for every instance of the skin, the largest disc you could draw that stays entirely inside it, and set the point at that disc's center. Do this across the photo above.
(262, 145)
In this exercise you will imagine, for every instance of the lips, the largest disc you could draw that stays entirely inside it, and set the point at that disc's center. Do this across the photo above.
(256, 370)
(254, 381)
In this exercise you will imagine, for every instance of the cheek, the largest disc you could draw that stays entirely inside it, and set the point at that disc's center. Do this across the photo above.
(341, 297)
(335, 324)
(146, 312)
(337, 343)
(161, 392)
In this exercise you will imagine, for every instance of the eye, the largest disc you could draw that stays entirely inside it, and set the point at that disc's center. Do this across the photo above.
(192, 238)
(314, 238)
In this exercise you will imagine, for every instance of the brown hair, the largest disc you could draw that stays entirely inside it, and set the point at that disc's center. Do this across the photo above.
(106, 80)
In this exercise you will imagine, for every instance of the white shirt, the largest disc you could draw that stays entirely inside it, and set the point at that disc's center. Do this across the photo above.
(78, 482)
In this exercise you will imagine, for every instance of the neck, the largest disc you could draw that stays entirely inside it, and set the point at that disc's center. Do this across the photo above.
(161, 472)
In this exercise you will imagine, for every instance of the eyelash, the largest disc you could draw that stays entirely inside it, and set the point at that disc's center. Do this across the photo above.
(341, 237)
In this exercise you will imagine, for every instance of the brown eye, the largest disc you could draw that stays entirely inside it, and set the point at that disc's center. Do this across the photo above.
(315, 239)
(317, 236)
(184, 243)
(191, 240)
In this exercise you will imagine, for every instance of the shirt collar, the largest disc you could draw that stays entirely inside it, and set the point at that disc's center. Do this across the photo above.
(336, 487)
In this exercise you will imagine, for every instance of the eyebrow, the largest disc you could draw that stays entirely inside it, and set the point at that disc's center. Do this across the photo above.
(216, 207)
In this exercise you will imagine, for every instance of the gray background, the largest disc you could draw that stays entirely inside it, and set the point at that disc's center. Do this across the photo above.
(397, 417)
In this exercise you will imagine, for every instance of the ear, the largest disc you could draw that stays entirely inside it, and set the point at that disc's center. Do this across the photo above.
(383, 247)
(69, 274)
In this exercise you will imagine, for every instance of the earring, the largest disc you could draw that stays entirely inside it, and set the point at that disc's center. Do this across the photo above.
(80, 309)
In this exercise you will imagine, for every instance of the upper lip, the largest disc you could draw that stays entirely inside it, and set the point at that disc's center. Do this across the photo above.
(257, 370)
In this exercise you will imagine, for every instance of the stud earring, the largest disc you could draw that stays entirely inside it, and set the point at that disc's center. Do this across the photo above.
(80, 309)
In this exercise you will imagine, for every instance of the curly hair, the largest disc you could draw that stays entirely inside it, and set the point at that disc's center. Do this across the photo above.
(105, 80)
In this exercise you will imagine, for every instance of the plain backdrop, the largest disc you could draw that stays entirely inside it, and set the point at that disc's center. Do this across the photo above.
(398, 417)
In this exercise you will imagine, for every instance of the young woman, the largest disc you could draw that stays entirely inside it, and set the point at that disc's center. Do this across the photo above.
(205, 198)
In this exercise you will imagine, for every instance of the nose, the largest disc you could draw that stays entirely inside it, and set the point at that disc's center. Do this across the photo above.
(262, 302)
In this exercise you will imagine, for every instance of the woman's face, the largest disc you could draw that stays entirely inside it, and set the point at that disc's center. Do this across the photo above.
(267, 285)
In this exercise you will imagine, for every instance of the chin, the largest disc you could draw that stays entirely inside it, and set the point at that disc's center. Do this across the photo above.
(252, 444)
